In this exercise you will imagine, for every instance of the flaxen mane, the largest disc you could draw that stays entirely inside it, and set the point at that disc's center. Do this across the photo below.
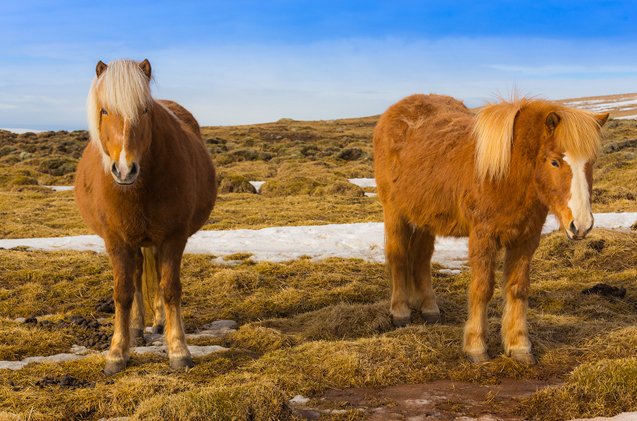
(577, 133)
(123, 89)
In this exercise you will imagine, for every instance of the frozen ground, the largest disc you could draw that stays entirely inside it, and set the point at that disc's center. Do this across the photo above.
(358, 240)
(622, 106)
(19, 130)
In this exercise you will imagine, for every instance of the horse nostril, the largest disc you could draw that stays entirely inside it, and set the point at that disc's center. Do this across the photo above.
(572, 228)
(133, 170)
(114, 170)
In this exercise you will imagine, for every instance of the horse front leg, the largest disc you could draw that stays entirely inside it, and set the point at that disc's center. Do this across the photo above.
(482, 256)
(170, 254)
(515, 337)
(123, 262)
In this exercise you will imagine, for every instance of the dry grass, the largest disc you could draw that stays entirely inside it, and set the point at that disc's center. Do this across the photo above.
(310, 326)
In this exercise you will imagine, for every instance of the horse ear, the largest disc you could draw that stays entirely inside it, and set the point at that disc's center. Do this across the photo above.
(602, 119)
(99, 69)
(145, 66)
(552, 120)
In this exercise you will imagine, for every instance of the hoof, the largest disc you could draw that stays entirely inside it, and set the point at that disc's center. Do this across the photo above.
(137, 336)
(158, 329)
(523, 357)
(431, 318)
(114, 367)
(479, 358)
(181, 363)
(400, 321)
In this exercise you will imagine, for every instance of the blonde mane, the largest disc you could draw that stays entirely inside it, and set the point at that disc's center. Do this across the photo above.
(577, 133)
(122, 88)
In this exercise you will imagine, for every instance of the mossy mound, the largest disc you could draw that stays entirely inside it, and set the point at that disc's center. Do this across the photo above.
(235, 184)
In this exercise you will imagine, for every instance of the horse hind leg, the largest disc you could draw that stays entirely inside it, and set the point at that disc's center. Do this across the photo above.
(150, 282)
(397, 233)
(137, 313)
(423, 298)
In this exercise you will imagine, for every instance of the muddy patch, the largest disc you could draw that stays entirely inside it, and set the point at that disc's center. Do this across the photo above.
(439, 400)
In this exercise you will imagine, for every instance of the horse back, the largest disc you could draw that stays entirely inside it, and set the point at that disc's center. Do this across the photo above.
(183, 115)
(423, 158)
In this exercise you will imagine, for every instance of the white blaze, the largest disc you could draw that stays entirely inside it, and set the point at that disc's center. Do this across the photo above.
(579, 202)
(123, 164)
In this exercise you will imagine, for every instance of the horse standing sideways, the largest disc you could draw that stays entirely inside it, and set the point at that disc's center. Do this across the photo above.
(494, 176)
(145, 183)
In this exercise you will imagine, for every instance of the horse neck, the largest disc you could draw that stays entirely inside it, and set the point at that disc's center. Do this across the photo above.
(161, 133)
(519, 185)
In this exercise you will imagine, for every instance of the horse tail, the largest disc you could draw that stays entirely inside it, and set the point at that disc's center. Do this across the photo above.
(153, 301)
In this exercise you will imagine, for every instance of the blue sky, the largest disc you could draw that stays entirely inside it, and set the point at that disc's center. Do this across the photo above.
(240, 62)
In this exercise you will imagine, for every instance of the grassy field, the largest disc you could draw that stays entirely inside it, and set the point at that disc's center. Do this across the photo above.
(306, 327)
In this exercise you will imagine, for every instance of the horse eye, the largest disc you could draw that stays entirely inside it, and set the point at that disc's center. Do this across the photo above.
(145, 110)
(555, 163)
(104, 112)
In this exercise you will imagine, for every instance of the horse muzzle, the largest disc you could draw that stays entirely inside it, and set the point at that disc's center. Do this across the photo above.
(125, 176)
(574, 232)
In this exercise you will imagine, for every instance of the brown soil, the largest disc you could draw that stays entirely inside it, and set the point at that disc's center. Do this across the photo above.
(439, 400)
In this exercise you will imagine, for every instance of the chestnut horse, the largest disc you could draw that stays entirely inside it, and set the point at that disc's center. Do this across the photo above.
(145, 183)
(494, 176)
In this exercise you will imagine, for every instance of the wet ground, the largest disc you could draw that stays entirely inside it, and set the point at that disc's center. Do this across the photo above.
(438, 400)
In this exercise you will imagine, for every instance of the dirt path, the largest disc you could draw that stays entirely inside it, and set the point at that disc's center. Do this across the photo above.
(438, 400)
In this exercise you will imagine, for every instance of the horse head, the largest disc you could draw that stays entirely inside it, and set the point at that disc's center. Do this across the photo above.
(120, 114)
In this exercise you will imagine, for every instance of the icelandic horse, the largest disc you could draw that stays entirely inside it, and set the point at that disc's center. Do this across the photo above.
(492, 176)
(145, 183)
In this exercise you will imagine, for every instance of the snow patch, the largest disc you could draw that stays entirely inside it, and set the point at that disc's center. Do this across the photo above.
(79, 352)
(299, 400)
(257, 185)
(20, 130)
(363, 182)
(277, 244)
(60, 188)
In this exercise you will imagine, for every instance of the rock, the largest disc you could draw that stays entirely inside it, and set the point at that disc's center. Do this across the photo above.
(221, 324)
(106, 305)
